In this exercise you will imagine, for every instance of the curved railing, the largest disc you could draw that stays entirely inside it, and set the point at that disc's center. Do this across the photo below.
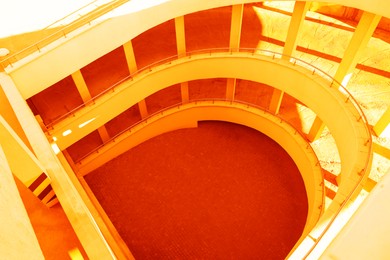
(251, 52)
(91, 11)
(178, 106)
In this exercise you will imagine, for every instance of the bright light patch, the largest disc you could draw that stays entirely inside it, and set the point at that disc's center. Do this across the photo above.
(55, 139)
(55, 148)
(86, 122)
(67, 132)
(346, 79)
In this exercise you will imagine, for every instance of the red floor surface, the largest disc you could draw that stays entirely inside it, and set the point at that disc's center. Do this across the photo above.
(220, 191)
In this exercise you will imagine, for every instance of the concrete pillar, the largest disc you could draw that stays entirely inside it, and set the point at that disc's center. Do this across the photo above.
(185, 97)
(230, 88)
(130, 57)
(382, 123)
(18, 240)
(363, 32)
(276, 101)
(366, 27)
(180, 36)
(297, 18)
(316, 129)
(86, 96)
(236, 25)
(234, 44)
(143, 109)
(181, 52)
(77, 212)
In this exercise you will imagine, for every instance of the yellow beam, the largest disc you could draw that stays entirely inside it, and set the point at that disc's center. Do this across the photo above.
(316, 129)
(180, 36)
(297, 19)
(231, 88)
(130, 57)
(181, 52)
(185, 97)
(382, 123)
(22, 161)
(366, 27)
(86, 96)
(235, 28)
(77, 212)
(276, 101)
(143, 109)
(235, 36)
(381, 150)
(18, 240)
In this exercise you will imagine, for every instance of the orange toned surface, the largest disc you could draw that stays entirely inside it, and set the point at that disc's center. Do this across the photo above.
(53, 230)
(220, 191)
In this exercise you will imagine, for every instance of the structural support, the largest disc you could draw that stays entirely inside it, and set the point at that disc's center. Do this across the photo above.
(297, 18)
(366, 27)
(363, 32)
(185, 96)
(18, 240)
(181, 52)
(130, 57)
(382, 123)
(381, 150)
(276, 101)
(143, 109)
(234, 44)
(132, 65)
(86, 96)
(316, 129)
(76, 210)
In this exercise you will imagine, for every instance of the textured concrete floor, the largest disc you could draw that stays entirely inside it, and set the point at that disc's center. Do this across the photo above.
(220, 191)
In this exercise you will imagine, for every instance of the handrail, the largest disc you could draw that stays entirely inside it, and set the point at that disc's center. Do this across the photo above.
(214, 51)
(178, 105)
(252, 52)
(64, 31)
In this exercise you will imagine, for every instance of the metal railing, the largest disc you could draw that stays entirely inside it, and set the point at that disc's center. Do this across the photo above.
(217, 51)
(83, 16)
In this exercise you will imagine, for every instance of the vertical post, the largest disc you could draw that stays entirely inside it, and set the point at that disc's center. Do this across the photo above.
(181, 52)
(297, 19)
(86, 96)
(366, 27)
(18, 240)
(364, 30)
(234, 44)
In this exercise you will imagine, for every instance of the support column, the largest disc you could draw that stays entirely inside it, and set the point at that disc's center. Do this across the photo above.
(382, 123)
(234, 44)
(297, 19)
(132, 65)
(143, 109)
(181, 52)
(18, 240)
(316, 129)
(366, 27)
(76, 210)
(185, 96)
(130, 57)
(363, 32)
(86, 96)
